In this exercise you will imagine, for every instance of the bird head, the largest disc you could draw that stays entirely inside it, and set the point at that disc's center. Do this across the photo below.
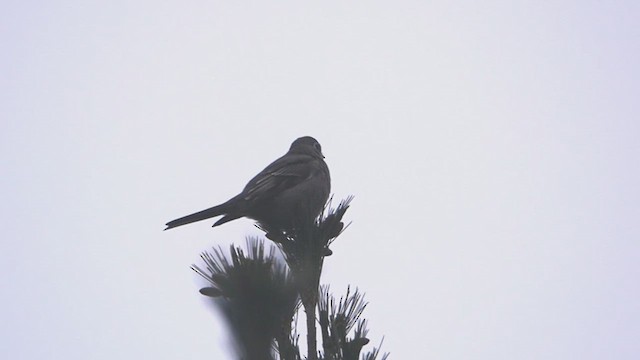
(307, 145)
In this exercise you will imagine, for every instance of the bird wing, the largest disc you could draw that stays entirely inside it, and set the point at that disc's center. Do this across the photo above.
(284, 173)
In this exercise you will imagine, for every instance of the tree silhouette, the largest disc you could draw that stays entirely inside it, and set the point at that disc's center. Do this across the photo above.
(259, 293)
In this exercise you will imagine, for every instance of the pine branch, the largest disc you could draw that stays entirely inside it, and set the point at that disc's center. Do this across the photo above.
(257, 297)
(305, 247)
(340, 318)
(259, 294)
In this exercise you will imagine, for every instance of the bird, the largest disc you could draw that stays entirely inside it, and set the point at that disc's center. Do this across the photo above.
(295, 185)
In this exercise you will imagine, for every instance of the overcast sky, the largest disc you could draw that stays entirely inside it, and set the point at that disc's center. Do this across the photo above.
(492, 148)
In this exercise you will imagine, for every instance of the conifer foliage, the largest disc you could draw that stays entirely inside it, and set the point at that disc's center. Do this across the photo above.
(259, 293)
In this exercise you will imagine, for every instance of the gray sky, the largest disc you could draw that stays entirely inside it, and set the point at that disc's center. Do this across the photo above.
(492, 148)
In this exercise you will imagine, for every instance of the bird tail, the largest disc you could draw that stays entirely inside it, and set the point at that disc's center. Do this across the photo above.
(200, 215)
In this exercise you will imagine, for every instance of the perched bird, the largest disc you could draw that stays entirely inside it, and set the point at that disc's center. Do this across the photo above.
(297, 184)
